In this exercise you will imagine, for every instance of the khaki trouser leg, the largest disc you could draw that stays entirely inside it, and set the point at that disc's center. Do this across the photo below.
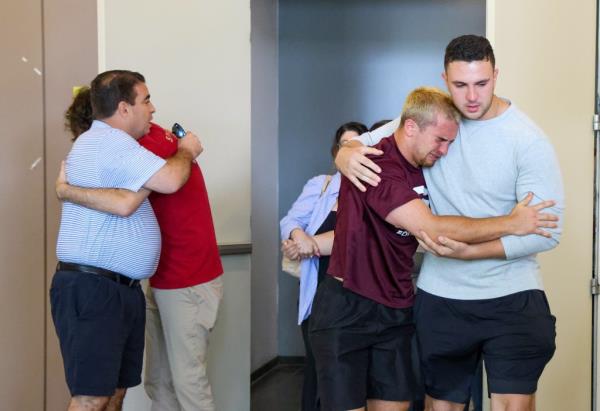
(187, 316)
(158, 382)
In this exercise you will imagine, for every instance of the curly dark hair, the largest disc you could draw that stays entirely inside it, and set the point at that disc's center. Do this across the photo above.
(469, 48)
(78, 117)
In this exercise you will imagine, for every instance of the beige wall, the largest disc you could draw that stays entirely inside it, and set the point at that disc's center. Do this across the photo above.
(22, 207)
(545, 51)
(70, 60)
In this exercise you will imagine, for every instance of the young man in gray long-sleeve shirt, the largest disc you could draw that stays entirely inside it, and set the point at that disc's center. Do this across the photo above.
(483, 299)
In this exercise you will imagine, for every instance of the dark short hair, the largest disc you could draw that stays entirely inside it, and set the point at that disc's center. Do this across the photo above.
(378, 124)
(350, 126)
(469, 48)
(78, 117)
(108, 89)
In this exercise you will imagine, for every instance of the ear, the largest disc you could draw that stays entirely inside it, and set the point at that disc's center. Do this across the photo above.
(495, 73)
(410, 127)
(444, 76)
(123, 108)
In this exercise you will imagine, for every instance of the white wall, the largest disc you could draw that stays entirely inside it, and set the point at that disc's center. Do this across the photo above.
(545, 51)
(195, 56)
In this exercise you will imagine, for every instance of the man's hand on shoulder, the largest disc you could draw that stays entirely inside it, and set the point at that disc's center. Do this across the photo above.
(352, 162)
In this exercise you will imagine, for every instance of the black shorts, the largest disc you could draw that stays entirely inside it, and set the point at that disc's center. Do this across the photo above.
(515, 335)
(100, 326)
(362, 348)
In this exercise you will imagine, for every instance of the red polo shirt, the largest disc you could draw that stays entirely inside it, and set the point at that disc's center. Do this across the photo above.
(189, 254)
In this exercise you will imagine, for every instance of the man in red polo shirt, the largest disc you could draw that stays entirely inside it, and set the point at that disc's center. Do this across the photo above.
(184, 293)
(186, 290)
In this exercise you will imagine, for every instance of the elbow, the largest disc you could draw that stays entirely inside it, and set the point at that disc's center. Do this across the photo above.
(173, 186)
(553, 242)
(126, 210)
(127, 207)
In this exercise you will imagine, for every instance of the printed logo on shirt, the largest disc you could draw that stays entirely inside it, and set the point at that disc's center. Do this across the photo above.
(422, 191)
(402, 233)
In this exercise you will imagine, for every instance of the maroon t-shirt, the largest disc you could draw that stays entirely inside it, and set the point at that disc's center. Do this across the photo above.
(373, 257)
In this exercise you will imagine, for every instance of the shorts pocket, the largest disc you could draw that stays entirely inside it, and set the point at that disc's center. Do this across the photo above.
(92, 296)
(334, 306)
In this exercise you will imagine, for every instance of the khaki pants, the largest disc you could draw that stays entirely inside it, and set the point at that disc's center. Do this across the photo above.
(178, 323)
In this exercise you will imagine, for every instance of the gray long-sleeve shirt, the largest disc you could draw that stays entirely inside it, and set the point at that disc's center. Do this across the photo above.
(491, 165)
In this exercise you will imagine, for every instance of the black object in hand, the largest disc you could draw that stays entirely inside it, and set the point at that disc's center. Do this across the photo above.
(178, 130)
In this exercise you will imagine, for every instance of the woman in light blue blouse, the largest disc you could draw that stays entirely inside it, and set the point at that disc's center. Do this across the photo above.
(307, 234)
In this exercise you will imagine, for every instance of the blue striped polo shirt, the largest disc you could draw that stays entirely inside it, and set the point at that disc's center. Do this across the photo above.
(105, 156)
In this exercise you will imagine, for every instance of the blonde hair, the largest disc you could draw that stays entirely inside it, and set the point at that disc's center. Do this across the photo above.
(424, 103)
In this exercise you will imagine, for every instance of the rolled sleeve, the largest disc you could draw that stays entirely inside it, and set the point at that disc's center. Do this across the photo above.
(539, 173)
(300, 213)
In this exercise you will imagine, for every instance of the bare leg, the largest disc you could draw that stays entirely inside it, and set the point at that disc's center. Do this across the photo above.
(381, 405)
(88, 403)
(431, 404)
(116, 401)
(513, 402)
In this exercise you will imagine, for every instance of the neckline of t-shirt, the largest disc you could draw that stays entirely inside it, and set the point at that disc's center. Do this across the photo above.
(403, 159)
(498, 118)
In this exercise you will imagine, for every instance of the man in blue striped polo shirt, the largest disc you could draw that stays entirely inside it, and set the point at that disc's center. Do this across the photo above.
(97, 303)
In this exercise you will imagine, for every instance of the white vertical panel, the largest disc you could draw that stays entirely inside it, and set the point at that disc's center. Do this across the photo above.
(545, 51)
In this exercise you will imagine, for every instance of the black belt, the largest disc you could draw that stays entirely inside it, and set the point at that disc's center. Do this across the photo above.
(119, 278)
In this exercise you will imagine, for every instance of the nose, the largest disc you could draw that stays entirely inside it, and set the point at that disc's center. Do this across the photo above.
(471, 94)
(443, 149)
(152, 108)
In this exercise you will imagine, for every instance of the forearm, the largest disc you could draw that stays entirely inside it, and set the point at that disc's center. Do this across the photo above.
(470, 230)
(517, 247)
(173, 175)
(325, 242)
(370, 138)
(108, 200)
(488, 249)
(180, 166)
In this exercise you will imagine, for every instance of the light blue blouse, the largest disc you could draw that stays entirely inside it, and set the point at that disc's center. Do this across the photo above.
(308, 213)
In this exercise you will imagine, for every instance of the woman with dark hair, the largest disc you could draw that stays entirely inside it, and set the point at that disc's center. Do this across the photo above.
(78, 117)
(307, 233)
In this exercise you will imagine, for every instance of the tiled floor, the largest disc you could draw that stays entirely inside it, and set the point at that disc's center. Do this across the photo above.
(278, 390)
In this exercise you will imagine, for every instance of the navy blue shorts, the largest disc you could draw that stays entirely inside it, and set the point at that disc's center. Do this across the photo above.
(362, 348)
(514, 334)
(100, 326)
